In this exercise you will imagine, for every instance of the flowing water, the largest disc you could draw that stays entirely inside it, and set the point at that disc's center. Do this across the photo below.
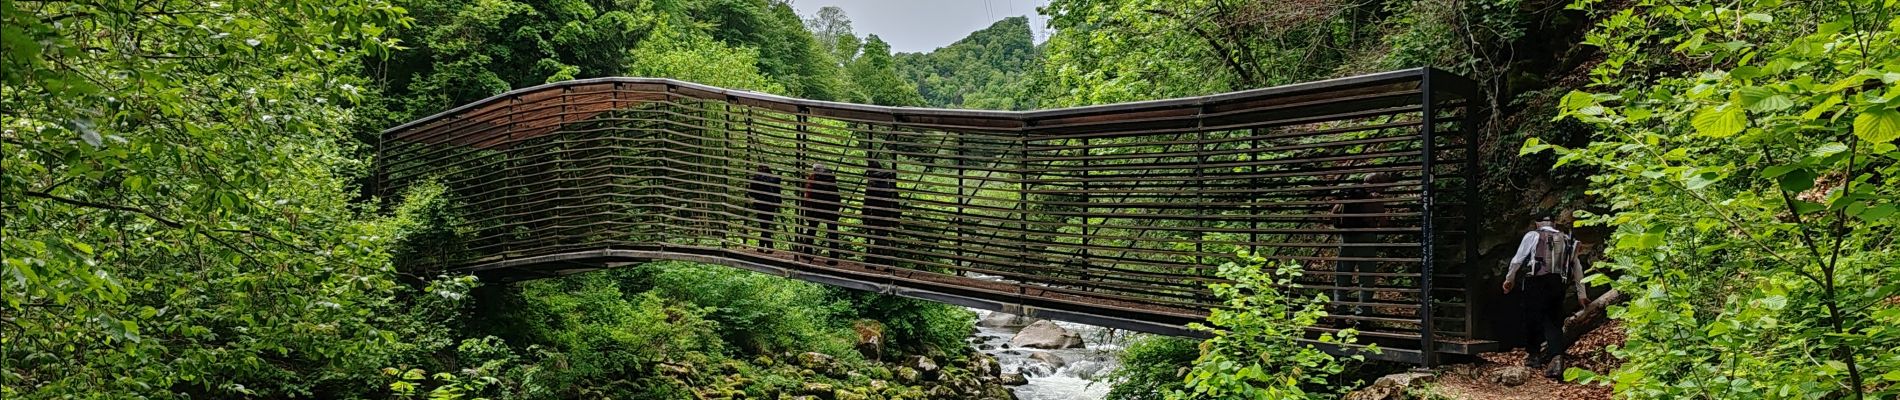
(1074, 380)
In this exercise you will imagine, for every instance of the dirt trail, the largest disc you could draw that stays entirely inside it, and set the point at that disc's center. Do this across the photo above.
(1477, 381)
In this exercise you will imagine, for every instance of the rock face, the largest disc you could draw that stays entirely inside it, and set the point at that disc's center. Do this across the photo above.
(1512, 375)
(1390, 387)
(1004, 320)
(1046, 335)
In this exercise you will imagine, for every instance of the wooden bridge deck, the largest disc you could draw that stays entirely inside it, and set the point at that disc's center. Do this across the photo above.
(1111, 215)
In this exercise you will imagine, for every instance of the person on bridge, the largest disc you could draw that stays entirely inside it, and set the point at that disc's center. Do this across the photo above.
(1547, 257)
(766, 200)
(1357, 211)
(820, 205)
(881, 212)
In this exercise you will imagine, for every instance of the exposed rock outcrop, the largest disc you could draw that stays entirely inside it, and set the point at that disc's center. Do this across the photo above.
(1005, 320)
(1046, 335)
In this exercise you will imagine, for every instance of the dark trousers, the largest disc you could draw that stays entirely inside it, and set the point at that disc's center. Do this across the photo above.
(821, 222)
(765, 213)
(1343, 272)
(1544, 316)
(880, 226)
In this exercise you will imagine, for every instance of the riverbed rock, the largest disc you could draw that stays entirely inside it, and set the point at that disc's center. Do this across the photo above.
(842, 394)
(943, 393)
(926, 368)
(996, 392)
(1052, 359)
(1086, 369)
(1391, 387)
(821, 390)
(1511, 376)
(1014, 379)
(984, 365)
(1046, 335)
(908, 375)
(1005, 320)
(816, 361)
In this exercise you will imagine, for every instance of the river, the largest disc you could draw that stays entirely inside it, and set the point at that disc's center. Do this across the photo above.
(1074, 380)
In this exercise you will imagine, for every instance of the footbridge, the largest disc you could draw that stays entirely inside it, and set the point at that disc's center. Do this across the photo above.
(1114, 215)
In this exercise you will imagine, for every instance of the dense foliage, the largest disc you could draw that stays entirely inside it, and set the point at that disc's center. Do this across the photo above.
(1151, 368)
(471, 49)
(1747, 157)
(991, 69)
(1259, 348)
(177, 214)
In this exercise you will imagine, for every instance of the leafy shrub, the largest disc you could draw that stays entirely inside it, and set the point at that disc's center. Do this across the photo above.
(758, 313)
(1152, 367)
(604, 342)
(1258, 349)
(912, 322)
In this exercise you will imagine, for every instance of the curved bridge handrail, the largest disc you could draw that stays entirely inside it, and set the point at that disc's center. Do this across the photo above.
(1465, 88)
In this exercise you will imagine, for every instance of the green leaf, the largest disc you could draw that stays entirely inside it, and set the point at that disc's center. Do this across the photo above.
(1702, 180)
(1719, 122)
(1761, 99)
(1879, 125)
(137, 183)
(1829, 149)
(1822, 108)
(1805, 207)
(1876, 213)
(1778, 170)
(1796, 180)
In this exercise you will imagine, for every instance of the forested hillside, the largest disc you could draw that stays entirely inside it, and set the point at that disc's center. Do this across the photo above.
(991, 69)
(186, 207)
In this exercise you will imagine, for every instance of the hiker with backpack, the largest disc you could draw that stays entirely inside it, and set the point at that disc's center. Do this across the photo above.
(1548, 261)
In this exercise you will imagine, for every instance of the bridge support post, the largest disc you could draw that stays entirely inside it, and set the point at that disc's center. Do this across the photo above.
(1428, 346)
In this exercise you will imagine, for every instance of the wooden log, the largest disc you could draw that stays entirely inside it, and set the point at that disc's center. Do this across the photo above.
(1591, 316)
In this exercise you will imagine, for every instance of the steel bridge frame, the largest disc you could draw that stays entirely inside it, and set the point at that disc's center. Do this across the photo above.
(1109, 215)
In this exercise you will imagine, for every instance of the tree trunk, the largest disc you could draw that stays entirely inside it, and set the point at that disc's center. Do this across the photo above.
(1591, 316)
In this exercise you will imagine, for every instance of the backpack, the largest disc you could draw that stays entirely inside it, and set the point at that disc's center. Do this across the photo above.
(1552, 253)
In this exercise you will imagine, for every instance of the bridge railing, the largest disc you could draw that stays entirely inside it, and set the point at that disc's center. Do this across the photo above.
(1118, 211)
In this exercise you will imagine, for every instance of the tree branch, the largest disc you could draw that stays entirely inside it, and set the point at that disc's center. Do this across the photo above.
(105, 206)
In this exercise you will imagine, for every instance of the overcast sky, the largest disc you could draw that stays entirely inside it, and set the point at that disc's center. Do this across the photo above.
(923, 25)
